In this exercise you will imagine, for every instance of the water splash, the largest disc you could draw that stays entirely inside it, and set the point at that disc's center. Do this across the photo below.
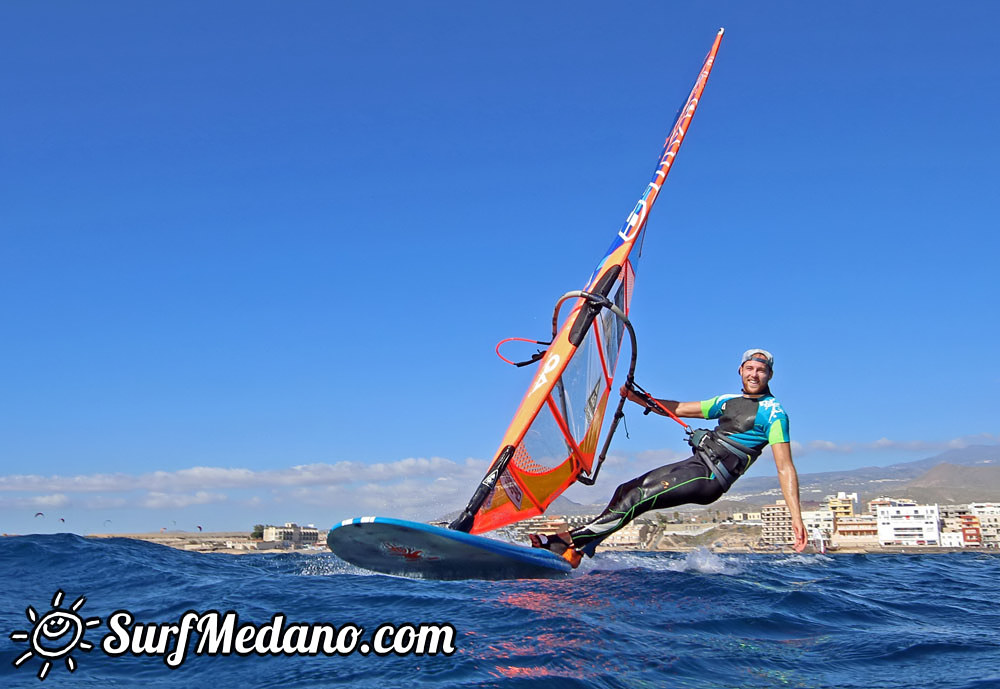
(706, 562)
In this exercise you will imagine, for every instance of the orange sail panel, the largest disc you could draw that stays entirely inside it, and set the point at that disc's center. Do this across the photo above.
(554, 434)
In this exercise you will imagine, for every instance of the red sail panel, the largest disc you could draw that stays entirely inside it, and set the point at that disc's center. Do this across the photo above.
(555, 430)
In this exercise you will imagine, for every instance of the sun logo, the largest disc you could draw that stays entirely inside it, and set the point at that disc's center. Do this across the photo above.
(55, 634)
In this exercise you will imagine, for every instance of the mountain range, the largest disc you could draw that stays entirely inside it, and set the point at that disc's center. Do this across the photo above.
(968, 474)
(954, 477)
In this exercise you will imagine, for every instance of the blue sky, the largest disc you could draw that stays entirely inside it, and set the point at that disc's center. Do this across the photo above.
(255, 256)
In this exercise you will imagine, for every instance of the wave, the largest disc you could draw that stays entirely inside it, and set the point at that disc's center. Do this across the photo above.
(624, 619)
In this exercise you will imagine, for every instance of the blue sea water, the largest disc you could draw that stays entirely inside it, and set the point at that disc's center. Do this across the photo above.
(697, 620)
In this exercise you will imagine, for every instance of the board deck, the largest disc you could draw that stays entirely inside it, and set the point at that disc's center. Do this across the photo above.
(423, 551)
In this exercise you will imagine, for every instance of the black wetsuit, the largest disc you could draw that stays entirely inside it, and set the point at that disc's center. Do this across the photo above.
(699, 479)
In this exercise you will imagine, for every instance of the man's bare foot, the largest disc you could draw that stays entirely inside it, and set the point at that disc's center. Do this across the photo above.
(558, 543)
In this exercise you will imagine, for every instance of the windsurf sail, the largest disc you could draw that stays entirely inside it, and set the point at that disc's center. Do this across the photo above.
(552, 440)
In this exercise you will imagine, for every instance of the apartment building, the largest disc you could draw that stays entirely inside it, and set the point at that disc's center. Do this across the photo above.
(988, 514)
(874, 505)
(819, 523)
(842, 504)
(909, 525)
(960, 527)
(291, 534)
(777, 521)
(858, 531)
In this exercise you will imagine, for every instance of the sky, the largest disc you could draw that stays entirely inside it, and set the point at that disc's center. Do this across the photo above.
(255, 257)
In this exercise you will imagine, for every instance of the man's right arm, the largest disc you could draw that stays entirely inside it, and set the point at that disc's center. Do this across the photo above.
(691, 410)
(788, 478)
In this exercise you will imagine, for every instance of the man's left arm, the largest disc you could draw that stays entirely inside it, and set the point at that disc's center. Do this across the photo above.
(789, 480)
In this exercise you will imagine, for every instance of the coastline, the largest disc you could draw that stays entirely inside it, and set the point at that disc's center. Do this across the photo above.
(216, 542)
(226, 542)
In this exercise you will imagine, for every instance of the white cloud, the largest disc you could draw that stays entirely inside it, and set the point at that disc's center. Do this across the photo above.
(824, 445)
(172, 500)
(661, 456)
(37, 502)
(101, 502)
(420, 497)
(414, 487)
(196, 478)
(886, 444)
(57, 500)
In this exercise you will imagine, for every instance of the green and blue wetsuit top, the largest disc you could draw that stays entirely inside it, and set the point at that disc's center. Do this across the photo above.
(750, 421)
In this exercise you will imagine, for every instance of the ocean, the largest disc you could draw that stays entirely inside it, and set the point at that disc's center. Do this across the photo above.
(114, 611)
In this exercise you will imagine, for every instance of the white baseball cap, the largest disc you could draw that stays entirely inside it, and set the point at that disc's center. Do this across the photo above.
(761, 355)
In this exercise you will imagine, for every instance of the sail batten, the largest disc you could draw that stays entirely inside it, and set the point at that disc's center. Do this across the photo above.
(555, 431)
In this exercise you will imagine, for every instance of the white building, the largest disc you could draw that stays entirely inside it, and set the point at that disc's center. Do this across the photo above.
(819, 521)
(859, 531)
(291, 534)
(988, 514)
(908, 525)
(874, 505)
(633, 536)
(777, 519)
(842, 504)
(952, 539)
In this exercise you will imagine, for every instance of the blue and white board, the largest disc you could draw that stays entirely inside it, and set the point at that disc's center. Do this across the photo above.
(422, 551)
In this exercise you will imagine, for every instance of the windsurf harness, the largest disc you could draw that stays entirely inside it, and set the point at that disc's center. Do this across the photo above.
(719, 458)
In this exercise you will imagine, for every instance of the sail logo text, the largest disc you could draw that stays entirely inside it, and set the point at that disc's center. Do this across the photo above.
(637, 217)
(551, 364)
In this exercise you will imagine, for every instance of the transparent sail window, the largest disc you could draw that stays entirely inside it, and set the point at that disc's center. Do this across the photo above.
(544, 445)
(582, 383)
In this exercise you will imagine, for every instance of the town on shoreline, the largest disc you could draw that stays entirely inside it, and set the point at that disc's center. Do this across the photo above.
(887, 525)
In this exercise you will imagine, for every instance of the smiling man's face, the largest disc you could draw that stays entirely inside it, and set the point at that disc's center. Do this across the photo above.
(755, 376)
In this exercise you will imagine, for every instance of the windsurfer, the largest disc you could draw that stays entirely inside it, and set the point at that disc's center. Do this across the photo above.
(747, 423)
